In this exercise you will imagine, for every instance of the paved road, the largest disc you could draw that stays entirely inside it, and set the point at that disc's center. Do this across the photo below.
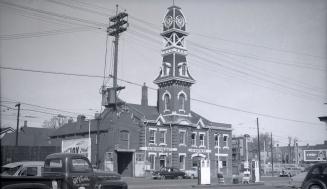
(146, 183)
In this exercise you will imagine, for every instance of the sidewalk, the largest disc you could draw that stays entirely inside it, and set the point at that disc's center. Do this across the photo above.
(228, 185)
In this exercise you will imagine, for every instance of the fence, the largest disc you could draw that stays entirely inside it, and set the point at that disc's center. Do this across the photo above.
(26, 153)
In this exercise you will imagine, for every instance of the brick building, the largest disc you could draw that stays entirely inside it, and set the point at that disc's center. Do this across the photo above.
(135, 139)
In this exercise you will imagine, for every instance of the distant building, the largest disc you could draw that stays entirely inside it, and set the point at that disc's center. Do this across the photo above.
(29, 136)
(137, 139)
(239, 153)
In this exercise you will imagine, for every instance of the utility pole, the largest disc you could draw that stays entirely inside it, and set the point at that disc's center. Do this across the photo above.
(98, 142)
(17, 128)
(259, 149)
(118, 24)
(272, 155)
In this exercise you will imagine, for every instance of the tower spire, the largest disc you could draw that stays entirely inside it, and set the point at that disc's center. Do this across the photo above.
(174, 80)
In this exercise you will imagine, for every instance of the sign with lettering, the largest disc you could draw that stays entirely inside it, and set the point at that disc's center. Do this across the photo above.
(78, 146)
(193, 150)
(158, 149)
(315, 155)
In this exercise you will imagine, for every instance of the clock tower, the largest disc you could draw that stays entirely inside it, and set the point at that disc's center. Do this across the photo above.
(174, 80)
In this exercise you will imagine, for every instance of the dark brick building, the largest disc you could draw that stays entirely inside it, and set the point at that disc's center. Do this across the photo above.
(135, 139)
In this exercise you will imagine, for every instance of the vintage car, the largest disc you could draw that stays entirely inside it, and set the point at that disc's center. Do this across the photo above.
(168, 172)
(192, 173)
(316, 177)
(65, 171)
(23, 168)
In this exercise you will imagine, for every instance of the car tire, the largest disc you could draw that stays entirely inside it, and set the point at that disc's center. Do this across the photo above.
(315, 186)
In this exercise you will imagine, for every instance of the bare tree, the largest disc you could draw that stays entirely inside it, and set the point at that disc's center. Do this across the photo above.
(55, 122)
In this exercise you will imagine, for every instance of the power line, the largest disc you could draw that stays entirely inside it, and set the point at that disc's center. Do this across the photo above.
(261, 46)
(198, 100)
(92, 23)
(46, 33)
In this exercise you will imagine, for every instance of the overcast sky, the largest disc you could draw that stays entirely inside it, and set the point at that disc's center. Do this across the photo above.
(250, 59)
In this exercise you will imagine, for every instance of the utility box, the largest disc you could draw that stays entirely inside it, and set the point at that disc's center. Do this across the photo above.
(204, 170)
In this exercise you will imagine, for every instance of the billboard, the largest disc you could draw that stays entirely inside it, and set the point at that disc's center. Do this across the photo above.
(315, 155)
(78, 146)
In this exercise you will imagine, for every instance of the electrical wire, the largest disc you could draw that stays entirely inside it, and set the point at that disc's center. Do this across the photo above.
(197, 100)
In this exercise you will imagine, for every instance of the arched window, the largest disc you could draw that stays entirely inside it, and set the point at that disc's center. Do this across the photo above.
(166, 101)
(181, 101)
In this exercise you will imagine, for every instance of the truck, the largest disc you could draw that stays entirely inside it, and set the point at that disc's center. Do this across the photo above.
(65, 171)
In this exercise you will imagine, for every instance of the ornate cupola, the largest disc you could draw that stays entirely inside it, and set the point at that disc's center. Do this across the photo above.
(174, 79)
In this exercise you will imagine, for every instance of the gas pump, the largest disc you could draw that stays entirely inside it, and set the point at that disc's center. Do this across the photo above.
(204, 171)
(255, 171)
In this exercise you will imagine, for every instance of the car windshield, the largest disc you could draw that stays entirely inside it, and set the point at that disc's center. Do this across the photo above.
(9, 170)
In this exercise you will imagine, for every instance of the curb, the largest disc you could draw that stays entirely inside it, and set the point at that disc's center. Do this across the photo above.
(227, 185)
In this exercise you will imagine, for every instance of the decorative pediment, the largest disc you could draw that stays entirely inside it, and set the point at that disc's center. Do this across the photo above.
(200, 124)
(160, 120)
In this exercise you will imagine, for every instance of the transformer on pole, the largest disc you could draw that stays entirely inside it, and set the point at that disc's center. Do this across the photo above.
(118, 24)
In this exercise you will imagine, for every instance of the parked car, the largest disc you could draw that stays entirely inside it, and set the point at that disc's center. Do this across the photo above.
(168, 172)
(192, 173)
(297, 180)
(220, 177)
(23, 168)
(316, 177)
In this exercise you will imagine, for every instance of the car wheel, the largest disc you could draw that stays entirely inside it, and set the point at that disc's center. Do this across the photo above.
(162, 177)
(180, 177)
(315, 186)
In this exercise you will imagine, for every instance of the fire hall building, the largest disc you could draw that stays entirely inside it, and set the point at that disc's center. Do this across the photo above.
(136, 139)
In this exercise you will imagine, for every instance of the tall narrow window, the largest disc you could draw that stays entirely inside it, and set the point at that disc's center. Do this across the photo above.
(152, 137)
(162, 137)
(182, 101)
(193, 138)
(166, 101)
(182, 137)
(216, 139)
(226, 140)
(201, 139)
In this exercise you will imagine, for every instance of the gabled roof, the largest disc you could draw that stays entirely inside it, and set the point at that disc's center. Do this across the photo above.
(6, 130)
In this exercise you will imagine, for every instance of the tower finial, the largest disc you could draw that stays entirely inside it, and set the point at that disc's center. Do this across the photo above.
(173, 2)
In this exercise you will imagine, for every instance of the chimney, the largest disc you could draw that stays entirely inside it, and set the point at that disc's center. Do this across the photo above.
(144, 100)
(25, 123)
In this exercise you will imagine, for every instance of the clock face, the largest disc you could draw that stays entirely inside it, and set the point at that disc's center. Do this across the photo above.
(168, 21)
(180, 21)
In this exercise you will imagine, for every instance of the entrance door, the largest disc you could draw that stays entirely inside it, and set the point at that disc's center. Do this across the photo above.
(162, 161)
(125, 163)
